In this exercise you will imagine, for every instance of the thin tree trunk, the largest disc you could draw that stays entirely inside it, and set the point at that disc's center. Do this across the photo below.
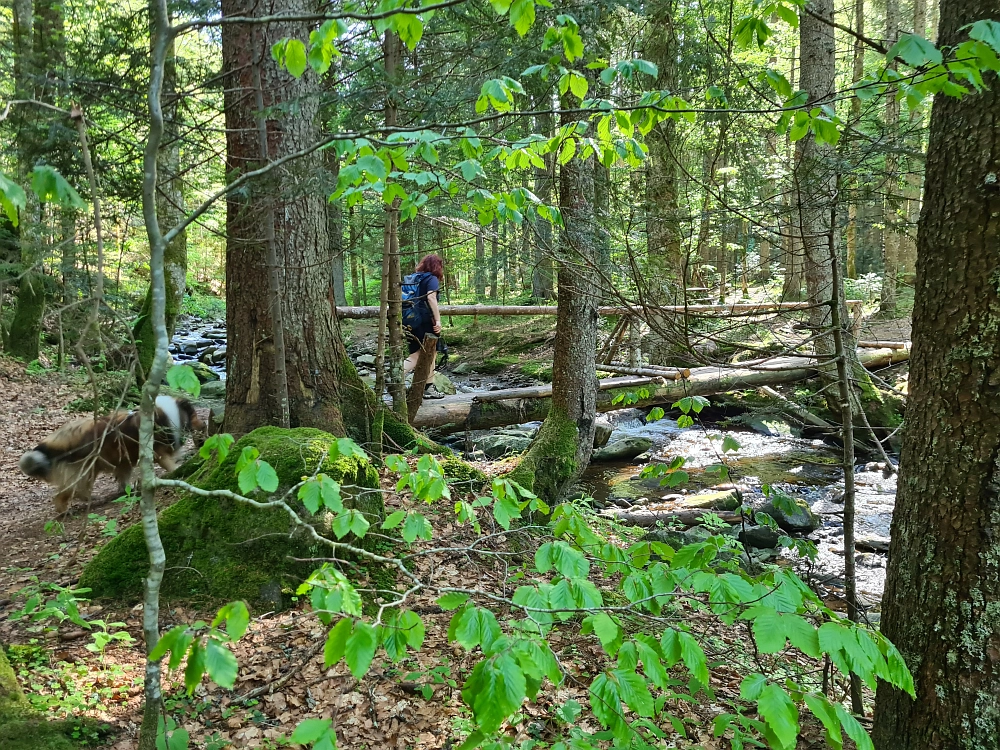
(891, 235)
(393, 52)
(480, 269)
(335, 229)
(494, 260)
(353, 252)
(944, 567)
(857, 74)
(542, 262)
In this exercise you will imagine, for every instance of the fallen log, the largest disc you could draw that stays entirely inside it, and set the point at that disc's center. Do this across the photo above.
(884, 344)
(804, 414)
(739, 308)
(648, 518)
(481, 411)
(668, 373)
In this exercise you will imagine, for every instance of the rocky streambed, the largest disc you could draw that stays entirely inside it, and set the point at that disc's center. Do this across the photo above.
(770, 454)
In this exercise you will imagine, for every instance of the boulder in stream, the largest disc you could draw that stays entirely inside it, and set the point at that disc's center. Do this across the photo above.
(214, 389)
(802, 521)
(622, 449)
(205, 373)
(443, 384)
(500, 444)
(760, 537)
(602, 432)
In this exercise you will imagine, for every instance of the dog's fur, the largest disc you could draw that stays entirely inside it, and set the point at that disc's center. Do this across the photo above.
(73, 456)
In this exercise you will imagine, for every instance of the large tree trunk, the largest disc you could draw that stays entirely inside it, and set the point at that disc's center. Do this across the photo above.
(324, 390)
(944, 566)
(891, 237)
(170, 211)
(562, 448)
(663, 231)
(815, 168)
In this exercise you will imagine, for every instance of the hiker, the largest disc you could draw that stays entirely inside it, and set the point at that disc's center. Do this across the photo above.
(420, 308)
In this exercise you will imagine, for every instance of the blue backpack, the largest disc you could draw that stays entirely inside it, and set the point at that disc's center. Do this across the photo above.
(416, 311)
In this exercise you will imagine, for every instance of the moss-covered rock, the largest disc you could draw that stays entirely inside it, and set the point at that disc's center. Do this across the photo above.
(223, 549)
(463, 474)
(21, 727)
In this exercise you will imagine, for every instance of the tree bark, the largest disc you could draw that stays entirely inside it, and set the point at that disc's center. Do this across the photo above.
(335, 229)
(562, 448)
(542, 265)
(891, 235)
(392, 50)
(324, 390)
(944, 567)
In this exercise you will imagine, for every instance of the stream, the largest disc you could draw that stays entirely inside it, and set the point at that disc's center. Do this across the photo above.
(769, 454)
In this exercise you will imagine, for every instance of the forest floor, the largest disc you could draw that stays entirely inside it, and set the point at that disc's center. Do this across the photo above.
(279, 655)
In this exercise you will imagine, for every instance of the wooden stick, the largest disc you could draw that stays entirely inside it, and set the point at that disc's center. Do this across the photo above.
(742, 308)
(673, 373)
(617, 343)
(884, 344)
(602, 354)
(425, 361)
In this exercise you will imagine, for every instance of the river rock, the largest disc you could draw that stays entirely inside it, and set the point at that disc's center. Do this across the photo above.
(602, 432)
(802, 521)
(214, 389)
(498, 446)
(725, 500)
(771, 425)
(760, 537)
(365, 359)
(189, 347)
(871, 542)
(443, 384)
(462, 368)
(622, 449)
(207, 355)
(204, 372)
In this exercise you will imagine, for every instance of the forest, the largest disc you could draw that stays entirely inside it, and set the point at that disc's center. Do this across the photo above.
(516, 374)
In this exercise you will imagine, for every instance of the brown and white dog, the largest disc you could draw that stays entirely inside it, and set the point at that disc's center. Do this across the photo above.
(73, 456)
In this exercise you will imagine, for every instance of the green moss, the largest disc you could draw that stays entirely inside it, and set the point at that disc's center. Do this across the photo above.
(26, 327)
(463, 473)
(223, 549)
(539, 370)
(493, 366)
(397, 435)
(21, 727)
(550, 463)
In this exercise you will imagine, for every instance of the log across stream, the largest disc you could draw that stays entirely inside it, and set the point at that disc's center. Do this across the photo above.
(480, 411)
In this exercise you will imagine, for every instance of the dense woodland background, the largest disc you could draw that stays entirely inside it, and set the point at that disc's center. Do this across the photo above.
(669, 175)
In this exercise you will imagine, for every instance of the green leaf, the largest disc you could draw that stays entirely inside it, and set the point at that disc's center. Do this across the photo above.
(655, 414)
(336, 642)
(167, 642)
(51, 187)
(634, 692)
(310, 730)
(522, 15)
(823, 710)
(568, 561)
(494, 690)
(915, 51)
(221, 663)
(295, 57)
(195, 667)
(781, 717)
(237, 619)
(477, 627)
(394, 519)
(12, 198)
(267, 477)
(606, 630)
(452, 600)
(416, 526)
(802, 635)
(988, 32)
(693, 657)
(182, 378)
(729, 443)
(854, 730)
(373, 166)
(752, 687)
(350, 522)
(578, 85)
(360, 649)
(767, 630)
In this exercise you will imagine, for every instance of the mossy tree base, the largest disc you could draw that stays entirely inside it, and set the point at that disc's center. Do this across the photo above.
(225, 550)
(21, 727)
(26, 327)
(550, 463)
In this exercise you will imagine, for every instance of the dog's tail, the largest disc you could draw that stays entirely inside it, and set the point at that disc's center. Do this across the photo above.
(36, 464)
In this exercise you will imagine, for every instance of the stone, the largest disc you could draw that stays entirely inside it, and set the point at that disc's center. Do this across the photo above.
(802, 521)
(773, 426)
(725, 500)
(206, 357)
(462, 368)
(214, 389)
(189, 347)
(204, 372)
(365, 359)
(602, 432)
(872, 543)
(498, 446)
(760, 537)
(442, 383)
(623, 449)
